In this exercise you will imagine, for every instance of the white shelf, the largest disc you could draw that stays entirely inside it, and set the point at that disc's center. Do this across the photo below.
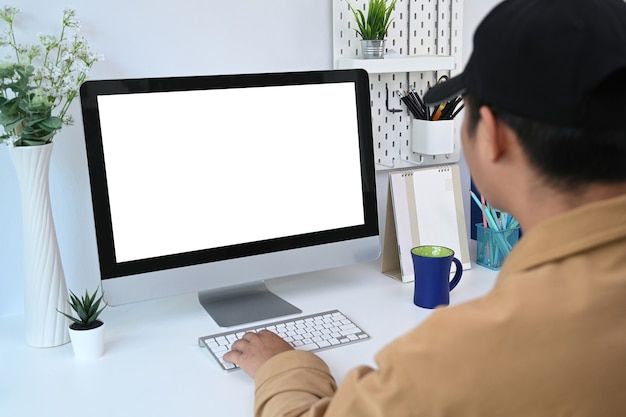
(398, 164)
(420, 63)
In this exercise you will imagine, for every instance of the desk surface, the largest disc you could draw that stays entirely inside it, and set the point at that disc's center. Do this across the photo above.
(152, 364)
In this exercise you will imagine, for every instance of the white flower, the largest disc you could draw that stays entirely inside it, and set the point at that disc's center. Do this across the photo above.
(10, 141)
(54, 69)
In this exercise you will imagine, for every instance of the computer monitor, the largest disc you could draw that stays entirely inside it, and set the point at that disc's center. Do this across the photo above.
(218, 183)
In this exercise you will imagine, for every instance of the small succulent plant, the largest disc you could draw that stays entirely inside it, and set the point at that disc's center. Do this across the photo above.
(87, 308)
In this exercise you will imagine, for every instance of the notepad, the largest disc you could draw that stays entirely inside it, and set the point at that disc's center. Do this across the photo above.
(424, 207)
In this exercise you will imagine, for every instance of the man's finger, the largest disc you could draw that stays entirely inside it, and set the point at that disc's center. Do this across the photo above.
(232, 356)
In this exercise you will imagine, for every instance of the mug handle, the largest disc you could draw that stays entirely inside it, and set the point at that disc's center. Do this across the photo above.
(457, 274)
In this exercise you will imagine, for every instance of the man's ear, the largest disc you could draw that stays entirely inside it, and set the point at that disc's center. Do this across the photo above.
(493, 141)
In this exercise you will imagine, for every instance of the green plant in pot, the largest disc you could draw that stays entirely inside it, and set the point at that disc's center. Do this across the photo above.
(86, 330)
(373, 26)
(38, 82)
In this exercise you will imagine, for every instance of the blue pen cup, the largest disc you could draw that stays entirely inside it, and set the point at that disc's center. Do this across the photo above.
(431, 268)
(493, 246)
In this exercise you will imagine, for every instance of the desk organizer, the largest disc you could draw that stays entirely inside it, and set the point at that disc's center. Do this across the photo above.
(432, 137)
(493, 246)
(426, 39)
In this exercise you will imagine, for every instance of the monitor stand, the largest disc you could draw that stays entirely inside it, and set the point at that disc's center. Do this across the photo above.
(242, 304)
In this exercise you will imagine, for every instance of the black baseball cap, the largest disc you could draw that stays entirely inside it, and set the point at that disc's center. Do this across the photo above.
(541, 58)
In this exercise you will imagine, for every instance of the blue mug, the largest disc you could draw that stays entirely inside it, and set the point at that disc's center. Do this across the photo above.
(431, 267)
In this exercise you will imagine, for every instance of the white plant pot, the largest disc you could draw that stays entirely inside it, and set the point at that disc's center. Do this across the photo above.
(45, 291)
(88, 344)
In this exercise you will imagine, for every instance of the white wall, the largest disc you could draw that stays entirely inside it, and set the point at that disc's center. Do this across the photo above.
(143, 38)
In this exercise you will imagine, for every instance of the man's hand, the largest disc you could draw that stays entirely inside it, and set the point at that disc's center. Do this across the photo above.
(254, 349)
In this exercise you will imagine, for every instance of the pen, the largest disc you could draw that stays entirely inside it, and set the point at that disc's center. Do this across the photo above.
(490, 221)
(416, 106)
(411, 105)
(482, 208)
(420, 102)
(457, 111)
(502, 243)
(448, 112)
(437, 113)
(415, 101)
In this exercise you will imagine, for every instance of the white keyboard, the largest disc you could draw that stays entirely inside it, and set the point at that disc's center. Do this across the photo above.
(312, 333)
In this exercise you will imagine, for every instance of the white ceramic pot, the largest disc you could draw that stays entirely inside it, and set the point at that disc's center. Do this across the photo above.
(88, 344)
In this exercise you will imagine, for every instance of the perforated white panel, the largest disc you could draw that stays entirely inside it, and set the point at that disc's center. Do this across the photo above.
(420, 27)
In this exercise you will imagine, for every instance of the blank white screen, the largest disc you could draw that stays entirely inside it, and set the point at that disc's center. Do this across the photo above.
(192, 170)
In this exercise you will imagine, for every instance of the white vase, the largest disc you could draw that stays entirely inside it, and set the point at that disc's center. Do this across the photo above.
(88, 344)
(45, 290)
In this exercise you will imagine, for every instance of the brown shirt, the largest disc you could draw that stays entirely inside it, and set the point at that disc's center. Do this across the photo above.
(548, 340)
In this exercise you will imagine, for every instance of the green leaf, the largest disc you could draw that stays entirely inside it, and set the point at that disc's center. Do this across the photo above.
(375, 24)
(34, 121)
(52, 123)
(33, 142)
(85, 307)
(10, 125)
(69, 317)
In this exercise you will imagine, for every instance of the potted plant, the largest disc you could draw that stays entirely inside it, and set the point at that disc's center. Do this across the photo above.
(37, 84)
(86, 330)
(373, 27)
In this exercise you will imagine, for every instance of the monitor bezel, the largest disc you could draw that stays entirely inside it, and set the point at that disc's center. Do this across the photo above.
(110, 268)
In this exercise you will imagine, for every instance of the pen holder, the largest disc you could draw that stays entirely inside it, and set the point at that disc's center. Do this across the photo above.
(493, 246)
(432, 137)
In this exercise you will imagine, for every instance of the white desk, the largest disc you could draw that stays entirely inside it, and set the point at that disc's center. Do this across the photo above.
(152, 365)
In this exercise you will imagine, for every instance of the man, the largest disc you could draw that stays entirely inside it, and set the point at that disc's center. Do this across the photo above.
(544, 136)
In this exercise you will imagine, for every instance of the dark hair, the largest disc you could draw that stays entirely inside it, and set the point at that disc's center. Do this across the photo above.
(571, 156)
